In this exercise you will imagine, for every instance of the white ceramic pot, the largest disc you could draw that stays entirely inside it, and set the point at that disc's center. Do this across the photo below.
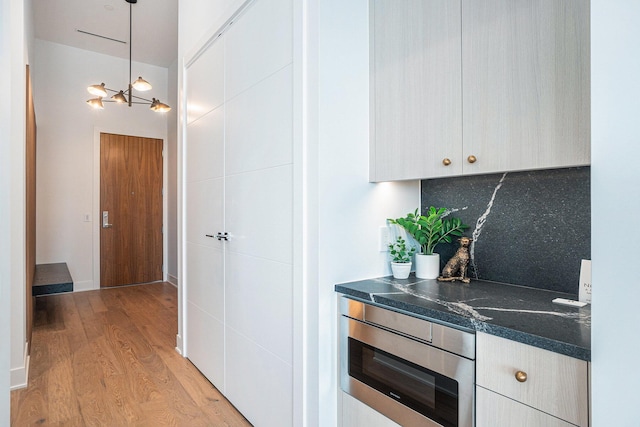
(401, 270)
(427, 266)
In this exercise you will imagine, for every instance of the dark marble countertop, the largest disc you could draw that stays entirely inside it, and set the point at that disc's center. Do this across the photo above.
(519, 313)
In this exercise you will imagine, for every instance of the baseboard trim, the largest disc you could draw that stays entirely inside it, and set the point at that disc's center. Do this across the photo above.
(179, 344)
(19, 377)
(173, 280)
(85, 285)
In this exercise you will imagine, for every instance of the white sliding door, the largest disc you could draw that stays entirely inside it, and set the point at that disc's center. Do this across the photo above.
(240, 292)
(204, 210)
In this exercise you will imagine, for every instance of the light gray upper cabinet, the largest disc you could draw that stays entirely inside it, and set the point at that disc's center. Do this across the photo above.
(525, 80)
(488, 85)
(416, 100)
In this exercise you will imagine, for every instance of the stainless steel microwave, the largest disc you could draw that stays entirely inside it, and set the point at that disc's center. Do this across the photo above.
(415, 372)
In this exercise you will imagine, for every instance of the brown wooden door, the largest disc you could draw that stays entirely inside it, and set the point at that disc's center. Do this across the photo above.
(131, 193)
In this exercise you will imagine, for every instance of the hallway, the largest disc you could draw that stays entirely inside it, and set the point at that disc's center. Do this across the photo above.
(108, 358)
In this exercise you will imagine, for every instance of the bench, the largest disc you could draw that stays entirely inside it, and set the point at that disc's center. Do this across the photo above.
(51, 279)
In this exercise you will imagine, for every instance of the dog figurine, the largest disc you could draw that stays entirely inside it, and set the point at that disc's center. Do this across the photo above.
(456, 268)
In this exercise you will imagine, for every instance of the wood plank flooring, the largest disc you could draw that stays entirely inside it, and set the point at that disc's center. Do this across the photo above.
(108, 358)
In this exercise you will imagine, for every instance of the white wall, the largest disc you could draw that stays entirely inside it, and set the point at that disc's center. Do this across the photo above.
(16, 25)
(349, 209)
(171, 193)
(615, 178)
(65, 147)
(29, 30)
(19, 57)
(5, 206)
(11, 33)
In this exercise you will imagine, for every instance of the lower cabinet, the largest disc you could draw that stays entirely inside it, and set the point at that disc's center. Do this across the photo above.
(521, 385)
(495, 410)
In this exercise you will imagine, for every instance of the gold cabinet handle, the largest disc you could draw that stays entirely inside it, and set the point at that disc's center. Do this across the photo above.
(521, 376)
(471, 159)
(446, 161)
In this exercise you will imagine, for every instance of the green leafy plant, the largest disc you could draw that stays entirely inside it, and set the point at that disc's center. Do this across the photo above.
(431, 229)
(399, 251)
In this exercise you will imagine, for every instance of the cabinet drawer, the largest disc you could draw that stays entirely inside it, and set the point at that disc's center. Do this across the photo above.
(555, 383)
(495, 410)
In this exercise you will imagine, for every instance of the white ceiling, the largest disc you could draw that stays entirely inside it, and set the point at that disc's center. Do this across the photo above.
(155, 27)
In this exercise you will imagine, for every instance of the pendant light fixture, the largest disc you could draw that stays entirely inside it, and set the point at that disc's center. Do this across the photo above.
(126, 96)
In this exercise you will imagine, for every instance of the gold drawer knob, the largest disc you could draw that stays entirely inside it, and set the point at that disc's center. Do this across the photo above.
(521, 376)
(471, 159)
(446, 161)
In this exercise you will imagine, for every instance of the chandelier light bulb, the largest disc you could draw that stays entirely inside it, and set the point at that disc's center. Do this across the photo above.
(158, 106)
(141, 85)
(163, 108)
(97, 90)
(96, 103)
(119, 97)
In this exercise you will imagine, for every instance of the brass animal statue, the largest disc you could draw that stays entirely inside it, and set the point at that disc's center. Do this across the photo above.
(456, 268)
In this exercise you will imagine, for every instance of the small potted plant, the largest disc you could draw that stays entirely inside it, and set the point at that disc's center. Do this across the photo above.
(401, 258)
(430, 230)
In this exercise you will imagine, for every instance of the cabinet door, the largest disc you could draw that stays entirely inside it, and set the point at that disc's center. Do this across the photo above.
(495, 410)
(416, 115)
(525, 84)
(554, 383)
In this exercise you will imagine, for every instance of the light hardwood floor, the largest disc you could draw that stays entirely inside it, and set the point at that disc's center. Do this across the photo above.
(108, 358)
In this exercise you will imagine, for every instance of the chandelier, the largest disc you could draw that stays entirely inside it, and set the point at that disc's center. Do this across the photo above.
(126, 96)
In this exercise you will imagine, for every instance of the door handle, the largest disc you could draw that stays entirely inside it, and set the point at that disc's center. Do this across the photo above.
(219, 236)
(105, 220)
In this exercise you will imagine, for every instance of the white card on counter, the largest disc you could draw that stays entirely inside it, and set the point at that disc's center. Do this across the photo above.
(569, 302)
(584, 292)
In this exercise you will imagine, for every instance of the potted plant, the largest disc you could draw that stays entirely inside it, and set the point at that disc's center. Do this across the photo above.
(401, 258)
(430, 230)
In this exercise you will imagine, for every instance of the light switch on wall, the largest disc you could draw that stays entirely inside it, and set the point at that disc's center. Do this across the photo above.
(86, 217)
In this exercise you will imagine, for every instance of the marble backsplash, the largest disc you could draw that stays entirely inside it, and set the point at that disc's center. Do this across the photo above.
(529, 228)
